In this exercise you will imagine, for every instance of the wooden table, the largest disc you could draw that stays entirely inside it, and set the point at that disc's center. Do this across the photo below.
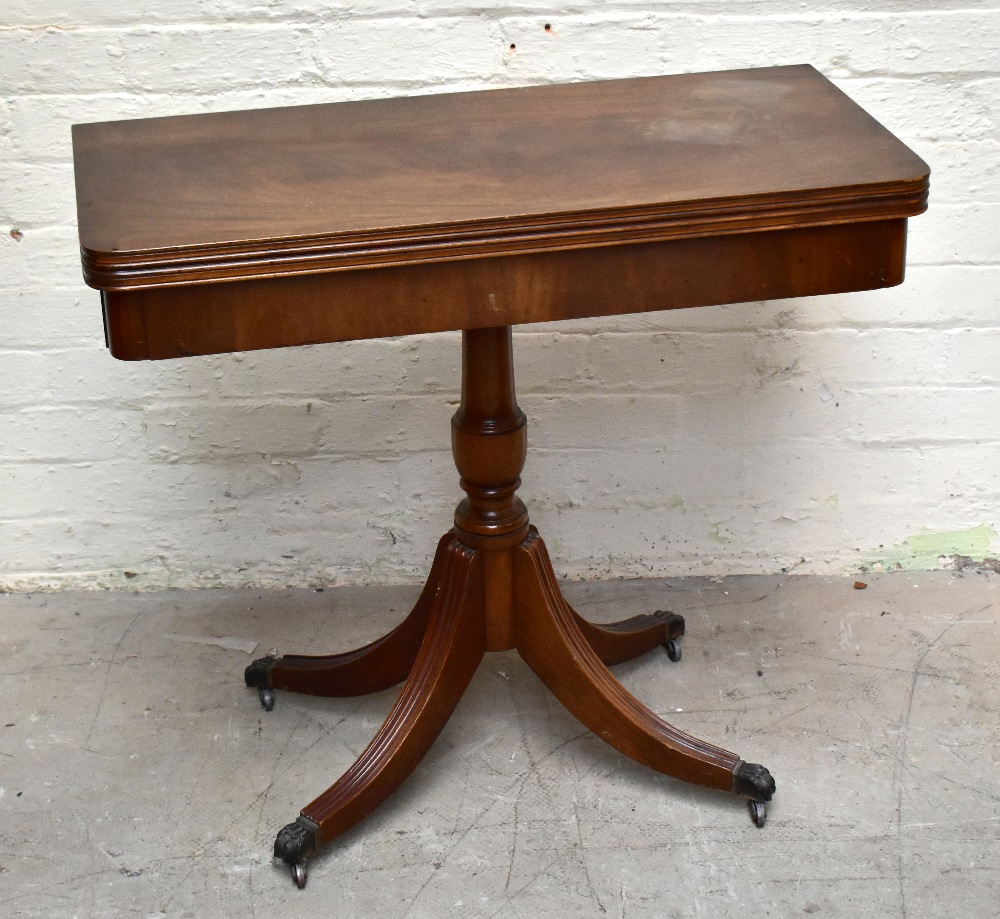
(477, 211)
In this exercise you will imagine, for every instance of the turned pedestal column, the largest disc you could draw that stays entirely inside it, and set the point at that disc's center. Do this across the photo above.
(491, 588)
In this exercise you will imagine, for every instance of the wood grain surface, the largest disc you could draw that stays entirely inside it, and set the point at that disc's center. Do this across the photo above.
(298, 190)
(273, 312)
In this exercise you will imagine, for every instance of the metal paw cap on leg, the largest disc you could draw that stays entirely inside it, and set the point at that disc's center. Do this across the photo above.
(296, 841)
(753, 781)
(258, 674)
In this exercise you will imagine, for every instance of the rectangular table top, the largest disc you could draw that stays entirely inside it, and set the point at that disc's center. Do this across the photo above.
(320, 223)
(319, 188)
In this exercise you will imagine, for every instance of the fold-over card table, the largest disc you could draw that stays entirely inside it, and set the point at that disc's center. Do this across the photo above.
(478, 211)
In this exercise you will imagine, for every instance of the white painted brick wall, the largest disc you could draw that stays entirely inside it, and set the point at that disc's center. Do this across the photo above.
(815, 436)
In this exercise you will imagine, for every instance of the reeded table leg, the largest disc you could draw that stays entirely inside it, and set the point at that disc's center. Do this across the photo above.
(617, 642)
(551, 642)
(448, 658)
(380, 665)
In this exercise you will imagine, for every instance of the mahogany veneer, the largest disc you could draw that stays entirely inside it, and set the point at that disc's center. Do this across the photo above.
(477, 211)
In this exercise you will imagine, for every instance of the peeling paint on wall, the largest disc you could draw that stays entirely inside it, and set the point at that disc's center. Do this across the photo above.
(923, 551)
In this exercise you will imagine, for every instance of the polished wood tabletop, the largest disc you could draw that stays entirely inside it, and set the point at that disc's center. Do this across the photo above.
(476, 200)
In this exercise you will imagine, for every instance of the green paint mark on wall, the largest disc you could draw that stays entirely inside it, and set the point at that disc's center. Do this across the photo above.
(927, 550)
(716, 536)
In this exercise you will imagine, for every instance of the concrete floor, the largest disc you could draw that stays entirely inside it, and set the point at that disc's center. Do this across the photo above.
(138, 777)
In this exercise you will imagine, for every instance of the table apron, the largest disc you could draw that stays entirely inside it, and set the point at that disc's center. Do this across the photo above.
(274, 312)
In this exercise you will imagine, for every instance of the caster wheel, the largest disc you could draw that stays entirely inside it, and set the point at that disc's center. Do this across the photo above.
(758, 813)
(299, 874)
(673, 650)
(266, 699)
